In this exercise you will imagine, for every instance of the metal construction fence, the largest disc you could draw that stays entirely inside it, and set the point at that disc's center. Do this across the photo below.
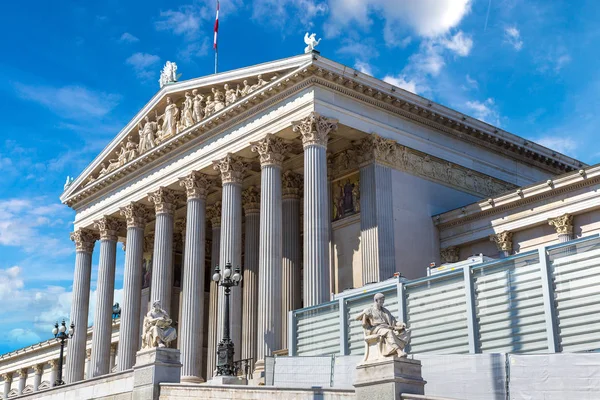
(542, 301)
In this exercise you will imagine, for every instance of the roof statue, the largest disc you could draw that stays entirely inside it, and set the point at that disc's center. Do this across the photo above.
(310, 41)
(68, 182)
(168, 74)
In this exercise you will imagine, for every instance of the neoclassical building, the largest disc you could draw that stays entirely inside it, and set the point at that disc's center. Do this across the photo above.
(311, 176)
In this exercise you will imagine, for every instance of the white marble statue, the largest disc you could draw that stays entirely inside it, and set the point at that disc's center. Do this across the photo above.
(68, 182)
(310, 41)
(168, 74)
(147, 133)
(170, 118)
(383, 331)
(131, 148)
(219, 99)
(246, 89)
(198, 109)
(157, 329)
(231, 94)
(210, 106)
(187, 115)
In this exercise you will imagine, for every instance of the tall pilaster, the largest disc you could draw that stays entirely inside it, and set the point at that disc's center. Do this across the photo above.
(84, 245)
(375, 154)
(232, 169)
(136, 216)
(165, 202)
(109, 228)
(7, 377)
(192, 304)
(563, 226)
(291, 279)
(314, 131)
(38, 370)
(503, 242)
(251, 198)
(213, 213)
(272, 151)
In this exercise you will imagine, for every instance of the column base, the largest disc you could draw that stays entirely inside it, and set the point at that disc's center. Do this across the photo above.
(228, 380)
(192, 379)
(388, 378)
(153, 366)
(258, 375)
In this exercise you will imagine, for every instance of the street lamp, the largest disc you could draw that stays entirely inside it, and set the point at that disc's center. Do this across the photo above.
(60, 332)
(225, 350)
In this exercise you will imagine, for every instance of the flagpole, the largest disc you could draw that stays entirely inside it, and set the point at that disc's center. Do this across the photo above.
(215, 41)
(216, 60)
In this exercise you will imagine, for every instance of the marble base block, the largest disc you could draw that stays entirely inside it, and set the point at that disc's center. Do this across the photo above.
(152, 367)
(228, 380)
(388, 378)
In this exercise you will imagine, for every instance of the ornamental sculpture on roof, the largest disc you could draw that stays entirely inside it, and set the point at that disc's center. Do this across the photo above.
(175, 119)
(384, 336)
(168, 74)
(310, 41)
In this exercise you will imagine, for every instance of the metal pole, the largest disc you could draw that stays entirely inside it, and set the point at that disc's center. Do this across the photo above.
(226, 319)
(216, 59)
(59, 381)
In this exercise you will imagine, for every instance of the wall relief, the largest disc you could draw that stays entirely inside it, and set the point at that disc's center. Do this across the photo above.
(346, 196)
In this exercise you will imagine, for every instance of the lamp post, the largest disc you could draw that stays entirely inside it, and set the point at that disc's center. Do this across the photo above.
(60, 332)
(225, 349)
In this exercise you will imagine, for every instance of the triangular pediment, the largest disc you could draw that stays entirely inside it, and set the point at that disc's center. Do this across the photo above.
(178, 107)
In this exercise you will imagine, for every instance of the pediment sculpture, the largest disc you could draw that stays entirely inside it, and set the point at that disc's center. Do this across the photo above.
(175, 118)
(157, 329)
(384, 336)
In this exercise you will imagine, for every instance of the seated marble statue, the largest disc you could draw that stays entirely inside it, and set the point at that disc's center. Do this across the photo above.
(158, 331)
(382, 329)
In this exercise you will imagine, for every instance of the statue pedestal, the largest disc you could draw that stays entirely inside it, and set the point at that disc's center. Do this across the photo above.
(153, 366)
(228, 380)
(387, 378)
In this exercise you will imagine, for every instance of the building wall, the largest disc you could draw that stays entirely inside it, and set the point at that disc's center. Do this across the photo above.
(347, 257)
(415, 236)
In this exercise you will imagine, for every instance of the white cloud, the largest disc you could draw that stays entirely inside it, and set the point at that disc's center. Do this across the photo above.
(472, 83)
(10, 283)
(76, 102)
(194, 50)
(460, 44)
(484, 111)
(512, 36)
(364, 67)
(563, 145)
(142, 64)
(128, 38)
(401, 82)
(185, 21)
(283, 13)
(426, 18)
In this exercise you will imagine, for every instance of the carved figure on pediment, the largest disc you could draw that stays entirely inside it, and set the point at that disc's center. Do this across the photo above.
(382, 331)
(219, 99)
(132, 149)
(261, 82)
(157, 329)
(210, 106)
(170, 119)
(122, 156)
(187, 115)
(231, 94)
(246, 89)
(197, 108)
(147, 134)
(89, 180)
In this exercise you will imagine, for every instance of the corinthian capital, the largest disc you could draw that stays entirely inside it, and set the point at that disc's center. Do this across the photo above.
(7, 377)
(375, 148)
(272, 150)
(22, 373)
(165, 200)
(315, 129)
(38, 369)
(84, 240)
(213, 213)
(449, 254)
(503, 240)
(251, 200)
(232, 168)
(109, 228)
(196, 185)
(135, 214)
(291, 185)
(562, 224)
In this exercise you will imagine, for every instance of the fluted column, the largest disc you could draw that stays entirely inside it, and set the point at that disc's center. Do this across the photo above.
(314, 131)
(54, 370)
(113, 357)
(88, 363)
(84, 245)
(232, 170)
(213, 213)
(251, 198)
(503, 242)
(136, 216)
(375, 154)
(38, 370)
(7, 377)
(291, 278)
(105, 290)
(22, 374)
(563, 226)
(192, 305)
(272, 151)
(165, 202)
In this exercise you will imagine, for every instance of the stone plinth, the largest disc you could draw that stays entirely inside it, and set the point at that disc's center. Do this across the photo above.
(152, 367)
(388, 378)
(228, 380)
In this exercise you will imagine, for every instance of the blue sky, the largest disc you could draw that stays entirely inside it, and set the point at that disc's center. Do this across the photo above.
(76, 72)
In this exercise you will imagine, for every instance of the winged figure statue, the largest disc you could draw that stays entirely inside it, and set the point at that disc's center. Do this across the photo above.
(310, 41)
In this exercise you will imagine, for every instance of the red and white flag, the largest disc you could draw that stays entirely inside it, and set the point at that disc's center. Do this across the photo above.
(216, 27)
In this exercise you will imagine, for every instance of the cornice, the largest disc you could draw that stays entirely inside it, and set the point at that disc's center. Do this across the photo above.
(390, 99)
